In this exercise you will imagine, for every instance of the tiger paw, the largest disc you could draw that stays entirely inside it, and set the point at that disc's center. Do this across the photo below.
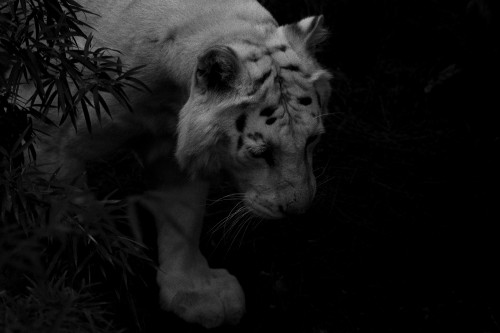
(211, 299)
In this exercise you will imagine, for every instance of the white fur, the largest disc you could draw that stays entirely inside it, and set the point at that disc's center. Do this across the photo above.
(170, 37)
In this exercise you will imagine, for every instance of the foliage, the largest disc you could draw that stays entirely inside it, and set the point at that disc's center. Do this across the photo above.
(52, 306)
(57, 242)
(43, 45)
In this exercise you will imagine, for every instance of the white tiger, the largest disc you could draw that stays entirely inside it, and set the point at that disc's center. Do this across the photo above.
(232, 91)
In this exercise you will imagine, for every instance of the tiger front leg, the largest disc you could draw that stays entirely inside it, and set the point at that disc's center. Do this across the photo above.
(188, 286)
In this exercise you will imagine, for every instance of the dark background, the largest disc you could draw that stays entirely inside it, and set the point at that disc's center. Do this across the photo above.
(402, 234)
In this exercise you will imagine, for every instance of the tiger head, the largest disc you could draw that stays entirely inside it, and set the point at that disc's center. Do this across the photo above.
(254, 111)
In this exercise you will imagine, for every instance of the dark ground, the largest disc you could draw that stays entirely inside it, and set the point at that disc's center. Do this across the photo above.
(401, 237)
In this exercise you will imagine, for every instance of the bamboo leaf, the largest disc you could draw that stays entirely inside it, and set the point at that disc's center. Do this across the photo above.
(19, 141)
(86, 48)
(23, 147)
(140, 85)
(34, 70)
(48, 102)
(40, 116)
(104, 105)
(60, 95)
(85, 111)
(97, 107)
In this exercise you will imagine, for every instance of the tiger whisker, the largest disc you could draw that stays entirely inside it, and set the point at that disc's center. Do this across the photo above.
(234, 211)
(229, 197)
(243, 226)
(247, 223)
(328, 114)
(323, 169)
(234, 224)
(230, 219)
(323, 182)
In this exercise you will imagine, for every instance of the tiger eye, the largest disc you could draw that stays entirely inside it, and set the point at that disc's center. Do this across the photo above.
(305, 100)
(267, 112)
(266, 154)
(270, 121)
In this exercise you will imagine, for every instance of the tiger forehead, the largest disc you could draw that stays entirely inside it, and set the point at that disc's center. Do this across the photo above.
(274, 52)
(279, 85)
(274, 72)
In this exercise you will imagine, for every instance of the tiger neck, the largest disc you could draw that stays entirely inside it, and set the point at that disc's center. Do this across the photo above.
(184, 49)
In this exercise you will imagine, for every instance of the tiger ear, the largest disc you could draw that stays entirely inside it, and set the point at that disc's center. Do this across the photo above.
(307, 34)
(217, 70)
(321, 81)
